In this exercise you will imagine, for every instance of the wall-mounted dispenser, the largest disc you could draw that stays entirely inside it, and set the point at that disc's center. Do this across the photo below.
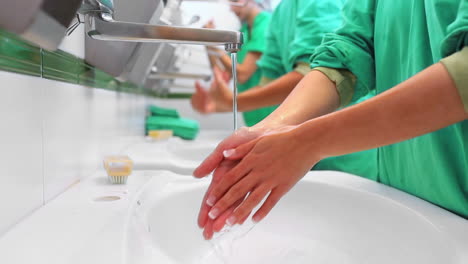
(118, 58)
(42, 22)
(113, 35)
(150, 56)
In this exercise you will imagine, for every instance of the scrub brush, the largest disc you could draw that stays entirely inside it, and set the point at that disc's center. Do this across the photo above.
(118, 168)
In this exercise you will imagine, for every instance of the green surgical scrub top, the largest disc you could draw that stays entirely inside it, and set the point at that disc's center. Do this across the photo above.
(254, 41)
(383, 43)
(296, 29)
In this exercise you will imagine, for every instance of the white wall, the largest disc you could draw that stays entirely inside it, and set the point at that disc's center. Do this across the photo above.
(21, 175)
(218, 11)
(53, 134)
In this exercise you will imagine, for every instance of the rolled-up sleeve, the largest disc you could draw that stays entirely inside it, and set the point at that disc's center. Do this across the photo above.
(344, 81)
(455, 51)
(302, 68)
(457, 66)
(264, 81)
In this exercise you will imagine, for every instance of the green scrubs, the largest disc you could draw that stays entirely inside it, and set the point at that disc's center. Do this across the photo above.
(254, 41)
(296, 29)
(363, 163)
(383, 43)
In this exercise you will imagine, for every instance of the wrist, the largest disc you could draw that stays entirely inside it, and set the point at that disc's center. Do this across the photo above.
(273, 122)
(224, 104)
(314, 137)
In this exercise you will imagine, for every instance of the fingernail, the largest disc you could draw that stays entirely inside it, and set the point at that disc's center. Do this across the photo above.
(211, 200)
(213, 213)
(228, 153)
(231, 220)
(256, 219)
(205, 235)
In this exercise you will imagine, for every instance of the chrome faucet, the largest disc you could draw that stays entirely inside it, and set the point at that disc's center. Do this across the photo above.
(100, 24)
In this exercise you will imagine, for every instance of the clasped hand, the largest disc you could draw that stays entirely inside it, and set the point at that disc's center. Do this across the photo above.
(248, 167)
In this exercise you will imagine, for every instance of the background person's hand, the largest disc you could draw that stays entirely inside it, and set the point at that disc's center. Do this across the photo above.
(210, 24)
(201, 100)
(218, 98)
(220, 91)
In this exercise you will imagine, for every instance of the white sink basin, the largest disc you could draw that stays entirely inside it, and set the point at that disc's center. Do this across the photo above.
(329, 217)
(176, 155)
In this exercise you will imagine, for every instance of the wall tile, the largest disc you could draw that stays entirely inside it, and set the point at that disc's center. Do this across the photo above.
(67, 130)
(21, 177)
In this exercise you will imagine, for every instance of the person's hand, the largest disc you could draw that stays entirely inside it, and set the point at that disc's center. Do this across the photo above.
(221, 166)
(215, 161)
(210, 24)
(202, 101)
(220, 91)
(239, 137)
(270, 166)
(209, 225)
(213, 100)
(225, 76)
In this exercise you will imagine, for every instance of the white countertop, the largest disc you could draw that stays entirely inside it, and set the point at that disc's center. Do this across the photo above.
(74, 228)
(79, 228)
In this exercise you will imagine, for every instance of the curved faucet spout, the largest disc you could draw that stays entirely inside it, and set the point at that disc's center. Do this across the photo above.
(104, 28)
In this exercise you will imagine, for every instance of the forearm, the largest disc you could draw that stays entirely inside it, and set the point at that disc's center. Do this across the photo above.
(273, 93)
(213, 56)
(425, 103)
(221, 56)
(226, 60)
(314, 96)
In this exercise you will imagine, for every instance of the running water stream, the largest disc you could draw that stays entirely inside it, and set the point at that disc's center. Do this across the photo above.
(224, 241)
(234, 88)
(227, 244)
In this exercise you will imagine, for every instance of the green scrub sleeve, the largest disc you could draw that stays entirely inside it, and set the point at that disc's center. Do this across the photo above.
(344, 81)
(313, 22)
(257, 41)
(457, 32)
(457, 66)
(302, 68)
(265, 80)
(270, 63)
(454, 49)
(351, 46)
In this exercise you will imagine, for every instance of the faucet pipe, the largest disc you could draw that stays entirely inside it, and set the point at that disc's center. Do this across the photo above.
(101, 26)
(179, 75)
